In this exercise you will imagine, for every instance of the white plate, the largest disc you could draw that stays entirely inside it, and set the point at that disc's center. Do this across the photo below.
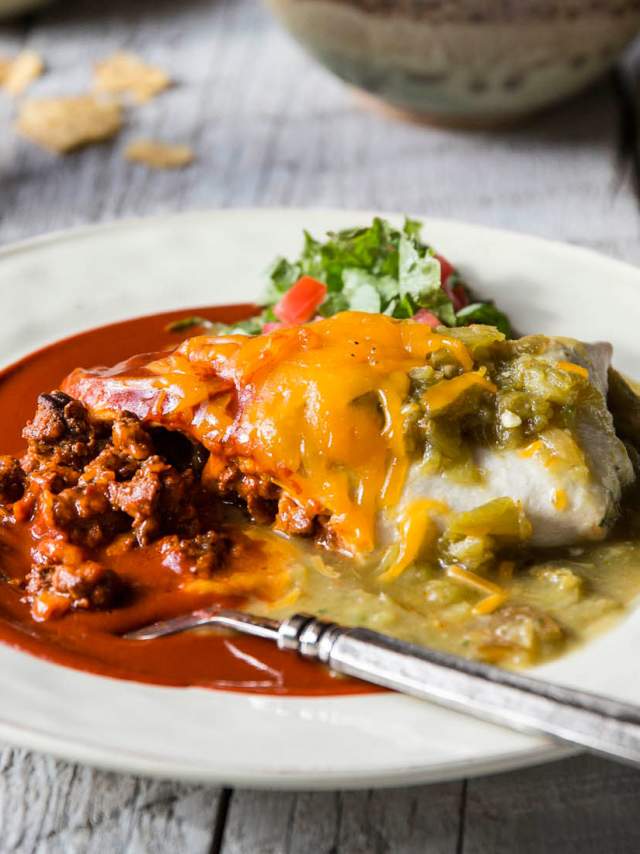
(62, 284)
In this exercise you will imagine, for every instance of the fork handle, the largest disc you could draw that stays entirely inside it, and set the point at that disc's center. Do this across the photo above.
(589, 721)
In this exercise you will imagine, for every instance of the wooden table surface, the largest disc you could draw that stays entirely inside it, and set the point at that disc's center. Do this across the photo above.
(272, 128)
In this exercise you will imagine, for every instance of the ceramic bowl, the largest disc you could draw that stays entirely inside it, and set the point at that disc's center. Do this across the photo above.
(10, 8)
(464, 62)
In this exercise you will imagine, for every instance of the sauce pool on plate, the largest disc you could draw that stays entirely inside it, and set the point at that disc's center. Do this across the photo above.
(91, 641)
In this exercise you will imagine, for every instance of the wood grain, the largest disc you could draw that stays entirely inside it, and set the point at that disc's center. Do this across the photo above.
(270, 127)
(50, 806)
(424, 818)
(579, 806)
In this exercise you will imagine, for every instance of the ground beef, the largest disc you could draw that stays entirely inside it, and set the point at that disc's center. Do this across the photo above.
(266, 503)
(62, 433)
(178, 450)
(62, 578)
(294, 519)
(130, 439)
(12, 479)
(54, 588)
(201, 555)
(109, 466)
(259, 492)
(84, 514)
(158, 499)
(90, 585)
(83, 483)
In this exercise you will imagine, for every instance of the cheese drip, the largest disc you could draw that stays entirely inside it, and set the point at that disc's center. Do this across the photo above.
(317, 408)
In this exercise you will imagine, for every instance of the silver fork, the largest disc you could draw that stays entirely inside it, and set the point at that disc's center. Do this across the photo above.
(590, 721)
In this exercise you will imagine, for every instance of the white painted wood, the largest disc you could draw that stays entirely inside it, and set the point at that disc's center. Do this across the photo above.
(53, 807)
(420, 819)
(272, 128)
(579, 806)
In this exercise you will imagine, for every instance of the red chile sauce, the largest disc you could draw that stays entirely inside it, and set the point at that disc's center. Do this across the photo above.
(91, 641)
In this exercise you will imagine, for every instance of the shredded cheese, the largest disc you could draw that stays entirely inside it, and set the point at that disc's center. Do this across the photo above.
(532, 448)
(303, 404)
(473, 580)
(551, 458)
(445, 392)
(572, 368)
(286, 601)
(392, 394)
(559, 499)
(496, 595)
(416, 530)
(415, 341)
(489, 604)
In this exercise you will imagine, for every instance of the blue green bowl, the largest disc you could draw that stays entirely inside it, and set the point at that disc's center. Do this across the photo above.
(464, 62)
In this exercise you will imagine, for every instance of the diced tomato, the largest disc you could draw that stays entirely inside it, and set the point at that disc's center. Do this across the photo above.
(457, 294)
(460, 297)
(446, 268)
(270, 327)
(427, 317)
(300, 302)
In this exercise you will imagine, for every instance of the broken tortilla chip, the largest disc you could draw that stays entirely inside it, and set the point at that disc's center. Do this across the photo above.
(63, 124)
(5, 65)
(18, 74)
(126, 74)
(159, 155)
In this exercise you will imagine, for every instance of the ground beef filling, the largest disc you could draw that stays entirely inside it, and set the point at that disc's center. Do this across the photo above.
(12, 480)
(86, 486)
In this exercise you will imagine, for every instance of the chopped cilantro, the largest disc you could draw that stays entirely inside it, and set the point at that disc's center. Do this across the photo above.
(377, 268)
(486, 313)
(187, 323)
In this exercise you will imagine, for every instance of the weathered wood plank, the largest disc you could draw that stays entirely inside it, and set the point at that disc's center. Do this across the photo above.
(272, 128)
(579, 806)
(627, 79)
(419, 819)
(53, 807)
(11, 39)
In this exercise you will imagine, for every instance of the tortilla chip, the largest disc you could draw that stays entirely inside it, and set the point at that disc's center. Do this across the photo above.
(159, 155)
(5, 65)
(63, 124)
(126, 74)
(20, 72)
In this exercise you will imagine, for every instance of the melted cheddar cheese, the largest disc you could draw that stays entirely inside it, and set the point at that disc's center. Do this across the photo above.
(317, 408)
(443, 394)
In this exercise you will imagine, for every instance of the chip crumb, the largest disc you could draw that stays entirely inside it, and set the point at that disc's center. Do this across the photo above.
(159, 155)
(126, 73)
(64, 124)
(18, 74)
(5, 66)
